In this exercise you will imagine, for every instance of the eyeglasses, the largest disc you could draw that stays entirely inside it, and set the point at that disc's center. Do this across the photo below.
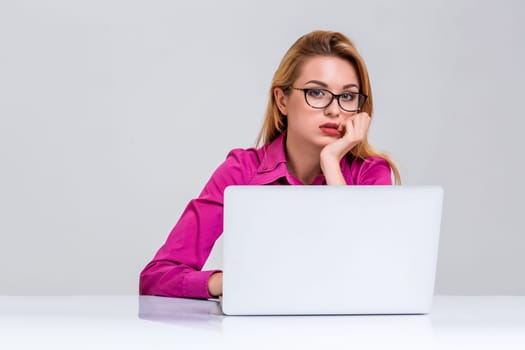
(322, 98)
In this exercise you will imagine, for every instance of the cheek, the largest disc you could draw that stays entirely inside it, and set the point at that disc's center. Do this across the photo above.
(301, 117)
(295, 106)
(298, 108)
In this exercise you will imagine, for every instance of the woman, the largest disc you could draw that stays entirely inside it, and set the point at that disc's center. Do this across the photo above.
(314, 132)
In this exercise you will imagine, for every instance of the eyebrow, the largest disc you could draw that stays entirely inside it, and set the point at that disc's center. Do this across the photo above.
(326, 85)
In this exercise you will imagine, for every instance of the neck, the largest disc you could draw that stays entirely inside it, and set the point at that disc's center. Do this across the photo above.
(302, 160)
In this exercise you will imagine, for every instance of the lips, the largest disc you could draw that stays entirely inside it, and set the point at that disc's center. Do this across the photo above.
(330, 129)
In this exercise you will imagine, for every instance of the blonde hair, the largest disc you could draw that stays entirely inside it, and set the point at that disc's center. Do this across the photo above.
(319, 43)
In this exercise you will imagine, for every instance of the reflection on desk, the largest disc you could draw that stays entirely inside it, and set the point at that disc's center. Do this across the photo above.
(206, 314)
(202, 314)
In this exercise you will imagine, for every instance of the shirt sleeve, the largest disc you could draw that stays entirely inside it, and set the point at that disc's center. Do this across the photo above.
(374, 171)
(175, 270)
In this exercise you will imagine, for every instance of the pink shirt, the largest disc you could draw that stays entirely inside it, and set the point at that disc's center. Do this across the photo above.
(175, 270)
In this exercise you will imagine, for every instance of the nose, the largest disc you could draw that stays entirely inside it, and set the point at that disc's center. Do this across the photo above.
(332, 110)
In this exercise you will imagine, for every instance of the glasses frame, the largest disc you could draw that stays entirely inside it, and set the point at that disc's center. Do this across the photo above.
(361, 102)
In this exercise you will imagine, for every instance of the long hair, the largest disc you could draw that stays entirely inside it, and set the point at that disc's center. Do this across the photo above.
(319, 43)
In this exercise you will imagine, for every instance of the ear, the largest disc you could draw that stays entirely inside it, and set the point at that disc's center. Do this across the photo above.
(281, 100)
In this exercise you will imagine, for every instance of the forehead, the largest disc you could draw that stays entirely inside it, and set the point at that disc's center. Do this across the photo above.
(334, 71)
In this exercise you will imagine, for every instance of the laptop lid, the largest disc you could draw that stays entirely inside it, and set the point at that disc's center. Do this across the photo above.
(330, 249)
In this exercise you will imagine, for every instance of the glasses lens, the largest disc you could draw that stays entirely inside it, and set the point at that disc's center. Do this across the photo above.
(351, 101)
(318, 98)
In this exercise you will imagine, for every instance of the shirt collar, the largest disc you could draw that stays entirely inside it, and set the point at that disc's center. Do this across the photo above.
(273, 155)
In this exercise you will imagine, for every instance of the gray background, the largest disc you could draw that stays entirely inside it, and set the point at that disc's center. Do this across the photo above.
(115, 113)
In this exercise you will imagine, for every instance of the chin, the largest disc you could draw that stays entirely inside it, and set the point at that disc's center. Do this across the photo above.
(324, 140)
(312, 139)
(329, 138)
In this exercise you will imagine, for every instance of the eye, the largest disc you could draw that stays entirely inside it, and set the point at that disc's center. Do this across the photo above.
(316, 93)
(348, 96)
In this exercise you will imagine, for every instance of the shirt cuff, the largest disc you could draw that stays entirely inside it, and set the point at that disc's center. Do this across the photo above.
(196, 284)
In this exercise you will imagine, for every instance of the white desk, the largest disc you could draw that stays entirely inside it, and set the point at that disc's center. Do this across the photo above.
(95, 322)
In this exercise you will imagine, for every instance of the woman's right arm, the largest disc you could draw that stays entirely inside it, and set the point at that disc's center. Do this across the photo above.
(175, 270)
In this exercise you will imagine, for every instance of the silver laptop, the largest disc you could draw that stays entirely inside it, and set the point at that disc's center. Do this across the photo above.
(300, 250)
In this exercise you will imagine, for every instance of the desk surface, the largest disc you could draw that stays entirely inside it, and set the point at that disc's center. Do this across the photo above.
(75, 322)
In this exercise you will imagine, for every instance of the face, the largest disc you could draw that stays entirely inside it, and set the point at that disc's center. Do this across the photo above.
(308, 126)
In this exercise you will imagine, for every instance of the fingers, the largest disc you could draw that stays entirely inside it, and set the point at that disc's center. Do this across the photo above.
(361, 125)
(357, 126)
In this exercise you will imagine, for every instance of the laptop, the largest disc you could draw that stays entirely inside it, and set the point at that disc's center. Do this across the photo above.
(330, 250)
